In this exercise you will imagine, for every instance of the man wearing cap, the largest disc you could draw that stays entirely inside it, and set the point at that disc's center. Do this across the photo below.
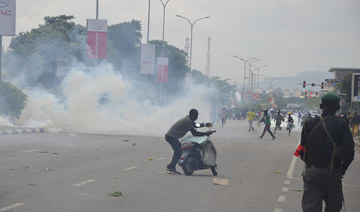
(177, 131)
(328, 151)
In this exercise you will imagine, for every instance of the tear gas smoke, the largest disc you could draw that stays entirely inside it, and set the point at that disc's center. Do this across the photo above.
(101, 101)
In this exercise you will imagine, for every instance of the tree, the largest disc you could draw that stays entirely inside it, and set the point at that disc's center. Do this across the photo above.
(12, 99)
(124, 42)
(38, 52)
(176, 70)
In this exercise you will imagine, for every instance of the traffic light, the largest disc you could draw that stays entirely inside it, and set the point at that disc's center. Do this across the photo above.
(322, 85)
(305, 94)
(316, 93)
(313, 84)
(304, 84)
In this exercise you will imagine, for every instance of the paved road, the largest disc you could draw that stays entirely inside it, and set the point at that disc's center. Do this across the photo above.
(60, 172)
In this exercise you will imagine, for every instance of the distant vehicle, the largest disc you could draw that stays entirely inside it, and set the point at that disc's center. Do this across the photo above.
(313, 114)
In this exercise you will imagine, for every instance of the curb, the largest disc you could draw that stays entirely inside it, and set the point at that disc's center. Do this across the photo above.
(21, 131)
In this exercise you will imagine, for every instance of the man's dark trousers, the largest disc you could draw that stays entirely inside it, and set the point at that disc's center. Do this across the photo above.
(176, 145)
(320, 184)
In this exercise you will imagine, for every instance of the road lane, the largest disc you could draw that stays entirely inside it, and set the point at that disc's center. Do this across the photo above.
(257, 171)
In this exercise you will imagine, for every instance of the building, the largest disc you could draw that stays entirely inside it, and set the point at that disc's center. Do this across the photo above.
(340, 73)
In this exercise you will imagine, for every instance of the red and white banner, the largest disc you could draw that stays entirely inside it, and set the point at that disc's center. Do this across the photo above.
(7, 17)
(97, 38)
(147, 65)
(162, 69)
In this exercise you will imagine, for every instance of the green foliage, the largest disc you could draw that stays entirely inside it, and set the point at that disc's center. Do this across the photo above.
(177, 67)
(12, 99)
(124, 42)
(39, 52)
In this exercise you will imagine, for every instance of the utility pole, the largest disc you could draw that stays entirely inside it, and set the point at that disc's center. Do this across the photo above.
(1, 51)
(208, 59)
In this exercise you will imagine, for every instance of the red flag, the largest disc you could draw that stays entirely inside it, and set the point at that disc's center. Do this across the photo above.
(97, 38)
(97, 42)
(162, 69)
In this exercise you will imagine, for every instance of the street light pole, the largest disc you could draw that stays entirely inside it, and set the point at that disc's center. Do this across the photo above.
(148, 28)
(97, 9)
(258, 69)
(245, 62)
(163, 31)
(250, 64)
(191, 34)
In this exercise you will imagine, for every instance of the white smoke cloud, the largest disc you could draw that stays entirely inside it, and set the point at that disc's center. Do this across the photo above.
(101, 101)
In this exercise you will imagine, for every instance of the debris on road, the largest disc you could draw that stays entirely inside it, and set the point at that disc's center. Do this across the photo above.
(219, 181)
(115, 194)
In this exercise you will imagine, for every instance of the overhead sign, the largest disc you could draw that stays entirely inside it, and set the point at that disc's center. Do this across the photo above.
(162, 69)
(97, 38)
(147, 65)
(7, 17)
(355, 87)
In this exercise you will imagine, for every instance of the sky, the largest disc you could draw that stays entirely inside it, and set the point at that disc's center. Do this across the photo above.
(288, 36)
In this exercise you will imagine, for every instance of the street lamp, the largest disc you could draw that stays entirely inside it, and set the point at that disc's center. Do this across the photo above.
(245, 61)
(97, 9)
(191, 29)
(258, 68)
(148, 24)
(163, 31)
(250, 73)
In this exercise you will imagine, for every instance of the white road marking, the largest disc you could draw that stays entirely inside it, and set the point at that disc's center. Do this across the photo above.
(287, 182)
(162, 158)
(83, 183)
(285, 189)
(282, 199)
(127, 169)
(83, 194)
(31, 150)
(278, 210)
(291, 168)
(11, 207)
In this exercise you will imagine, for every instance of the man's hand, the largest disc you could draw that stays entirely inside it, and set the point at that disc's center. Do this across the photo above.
(208, 133)
(208, 124)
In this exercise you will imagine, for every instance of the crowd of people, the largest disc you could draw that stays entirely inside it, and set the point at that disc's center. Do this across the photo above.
(278, 117)
(326, 146)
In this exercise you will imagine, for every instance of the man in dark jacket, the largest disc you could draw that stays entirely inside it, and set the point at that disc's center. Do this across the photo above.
(329, 150)
(177, 131)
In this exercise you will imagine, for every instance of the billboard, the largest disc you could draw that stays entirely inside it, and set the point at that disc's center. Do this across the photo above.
(162, 69)
(147, 65)
(355, 87)
(7, 17)
(97, 38)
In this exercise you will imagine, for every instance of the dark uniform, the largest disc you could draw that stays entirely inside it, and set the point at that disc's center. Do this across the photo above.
(326, 163)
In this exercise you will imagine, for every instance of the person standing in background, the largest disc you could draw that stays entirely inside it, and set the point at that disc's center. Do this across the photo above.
(223, 116)
(251, 116)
